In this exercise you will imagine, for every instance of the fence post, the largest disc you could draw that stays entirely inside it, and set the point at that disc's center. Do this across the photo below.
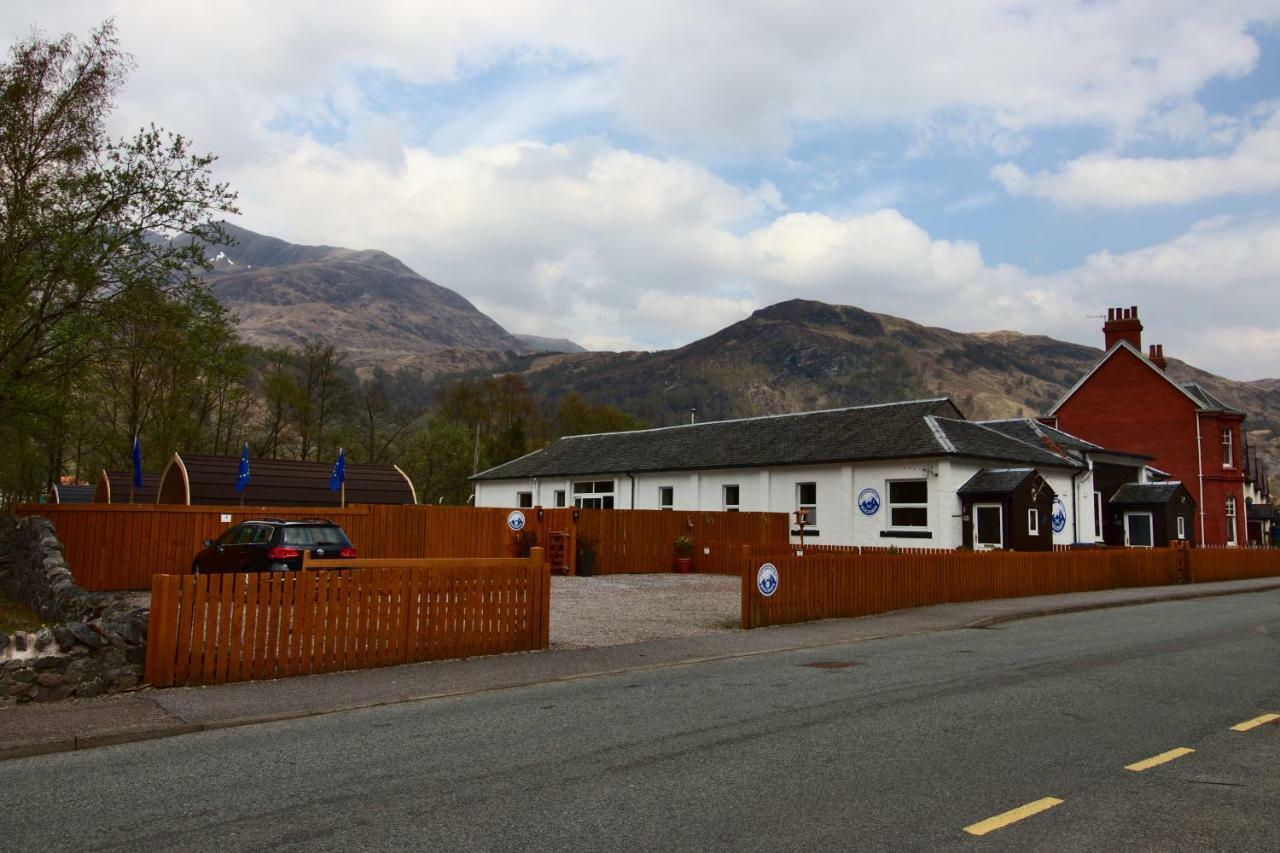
(1182, 560)
(540, 569)
(162, 630)
(744, 620)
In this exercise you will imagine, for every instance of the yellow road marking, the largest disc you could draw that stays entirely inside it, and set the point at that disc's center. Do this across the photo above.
(1157, 760)
(1255, 722)
(1000, 821)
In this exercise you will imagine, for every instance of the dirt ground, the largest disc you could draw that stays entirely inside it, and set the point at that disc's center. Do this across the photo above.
(612, 609)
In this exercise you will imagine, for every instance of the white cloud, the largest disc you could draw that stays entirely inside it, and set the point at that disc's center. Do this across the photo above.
(719, 74)
(1105, 180)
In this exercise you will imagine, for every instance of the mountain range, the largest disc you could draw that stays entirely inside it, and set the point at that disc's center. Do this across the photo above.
(793, 356)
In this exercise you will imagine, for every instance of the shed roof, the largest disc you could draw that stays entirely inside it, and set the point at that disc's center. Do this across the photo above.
(114, 487)
(907, 429)
(996, 481)
(211, 481)
(60, 494)
(1149, 494)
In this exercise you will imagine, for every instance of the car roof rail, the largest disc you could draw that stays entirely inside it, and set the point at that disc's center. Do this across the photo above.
(312, 520)
(264, 520)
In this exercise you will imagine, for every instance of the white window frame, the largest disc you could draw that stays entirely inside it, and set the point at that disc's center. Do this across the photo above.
(891, 506)
(666, 497)
(592, 494)
(524, 500)
(811, 506)
(559, 497)
(973, 525)
(1033, 522)
(736, 504)
(1151, 528)
(1231, 520)
(1228, 452)
(1182, 527)
(1097, 516)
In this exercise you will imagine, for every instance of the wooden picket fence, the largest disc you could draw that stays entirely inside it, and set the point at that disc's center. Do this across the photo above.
(219, 628)
(121, 546)
(1216, 564)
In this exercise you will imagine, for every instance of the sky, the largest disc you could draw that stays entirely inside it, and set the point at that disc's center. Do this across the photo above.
(640, 175)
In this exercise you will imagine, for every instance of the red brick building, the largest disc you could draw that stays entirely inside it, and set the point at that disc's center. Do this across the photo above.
(1128, 402)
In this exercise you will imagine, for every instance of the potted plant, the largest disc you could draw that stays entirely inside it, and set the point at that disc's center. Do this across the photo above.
(684, 554)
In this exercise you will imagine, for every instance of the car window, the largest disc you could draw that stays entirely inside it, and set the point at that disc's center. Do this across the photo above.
(262, 534)
(247, 534)
(231, 534)
(320, 536)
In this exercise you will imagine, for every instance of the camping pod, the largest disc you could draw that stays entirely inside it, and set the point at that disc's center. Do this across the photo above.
(199, 480)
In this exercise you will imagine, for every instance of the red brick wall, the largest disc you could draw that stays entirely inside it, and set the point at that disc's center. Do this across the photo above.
(1126, 405)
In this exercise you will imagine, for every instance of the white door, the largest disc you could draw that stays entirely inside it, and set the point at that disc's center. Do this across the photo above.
(1137, 530)
(988, 527)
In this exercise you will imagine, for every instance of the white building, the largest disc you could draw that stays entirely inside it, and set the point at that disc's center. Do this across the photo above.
(890, 474)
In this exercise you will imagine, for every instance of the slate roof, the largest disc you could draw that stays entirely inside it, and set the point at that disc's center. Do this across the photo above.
(1207, 400)
(1031, 431)
(996, 481)
(1147, 493)
(1262, 512)
(886, 431)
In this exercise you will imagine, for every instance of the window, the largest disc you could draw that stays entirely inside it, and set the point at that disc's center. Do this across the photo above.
(1227, 459)
(908, 503)
(729, 498)
(666, 497)
(524, 499)
(593, 494)
(1182, 527)
(1033, 522)
(1231, 520)
(807, 501)
(559, 497)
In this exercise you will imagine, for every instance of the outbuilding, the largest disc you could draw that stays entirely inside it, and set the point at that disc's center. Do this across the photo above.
(1149, 515)
(1007, 508)
(70, 494)
(117, 487)
(211, 481)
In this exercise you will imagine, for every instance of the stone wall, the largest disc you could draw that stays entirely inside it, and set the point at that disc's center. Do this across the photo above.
(93, 642)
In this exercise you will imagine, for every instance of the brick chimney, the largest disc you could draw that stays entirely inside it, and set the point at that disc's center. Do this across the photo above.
(1122, 325)
(1156, 356)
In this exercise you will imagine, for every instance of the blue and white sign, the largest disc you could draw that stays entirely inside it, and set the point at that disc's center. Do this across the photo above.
(767, 579)
(515, 520)
(1058, 518)
(869, 501)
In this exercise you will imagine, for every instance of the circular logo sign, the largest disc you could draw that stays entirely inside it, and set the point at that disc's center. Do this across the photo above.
(869, 501)
(1058, 518)
(515, 520)
(767, 580)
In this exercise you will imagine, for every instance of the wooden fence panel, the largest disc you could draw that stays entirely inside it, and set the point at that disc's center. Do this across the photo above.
(825, 584)
(213, 629)
(1218, 564)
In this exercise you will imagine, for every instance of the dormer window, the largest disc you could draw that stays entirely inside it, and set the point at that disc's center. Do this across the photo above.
(1227, 459)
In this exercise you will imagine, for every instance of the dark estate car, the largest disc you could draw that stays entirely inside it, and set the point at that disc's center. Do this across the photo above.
(272, 545)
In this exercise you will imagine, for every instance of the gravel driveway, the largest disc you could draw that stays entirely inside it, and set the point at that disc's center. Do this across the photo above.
(612, 609)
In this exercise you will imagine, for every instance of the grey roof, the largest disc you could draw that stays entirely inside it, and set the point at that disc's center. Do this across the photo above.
(1000, 481)
(72, 494)
(1147, 493)
(886, 431)
(1031, 431)
(1262, 512)
(1207, 400)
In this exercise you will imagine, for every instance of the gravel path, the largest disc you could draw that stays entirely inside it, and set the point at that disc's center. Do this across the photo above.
(613, 609)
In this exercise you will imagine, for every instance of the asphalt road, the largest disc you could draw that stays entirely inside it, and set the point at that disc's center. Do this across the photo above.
(919, 738)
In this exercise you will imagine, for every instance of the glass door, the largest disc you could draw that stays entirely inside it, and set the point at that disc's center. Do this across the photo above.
(1137, 530)
(988, 527)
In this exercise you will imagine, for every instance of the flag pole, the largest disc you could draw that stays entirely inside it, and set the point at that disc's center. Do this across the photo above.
(344, 493)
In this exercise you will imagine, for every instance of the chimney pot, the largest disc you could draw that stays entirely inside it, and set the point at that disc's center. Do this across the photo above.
(1123, 325)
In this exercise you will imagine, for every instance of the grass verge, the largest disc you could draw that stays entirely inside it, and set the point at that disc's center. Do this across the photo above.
(16, 616)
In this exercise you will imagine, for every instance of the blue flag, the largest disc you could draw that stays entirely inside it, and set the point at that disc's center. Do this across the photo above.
(137, 462)
(242, 474)
(339, 472)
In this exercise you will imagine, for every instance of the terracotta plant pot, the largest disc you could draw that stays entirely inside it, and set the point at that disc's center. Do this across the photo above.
(683, 564)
